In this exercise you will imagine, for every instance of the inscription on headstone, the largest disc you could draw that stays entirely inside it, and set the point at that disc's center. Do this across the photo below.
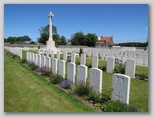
(96, 79)
(120, 87)
(82, 73)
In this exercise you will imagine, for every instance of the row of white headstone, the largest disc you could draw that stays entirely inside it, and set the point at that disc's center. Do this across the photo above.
(130, 66)
(140, 56)
(15, 51)
(120, 82)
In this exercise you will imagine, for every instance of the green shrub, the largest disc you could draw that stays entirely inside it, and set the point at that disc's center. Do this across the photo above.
(97, 98)
(103, 68)
(15, 56)
(77, 62)
(89, 65)
(81, 88)
(69, 60)
(46, 73)
(33, 66)
(117, 106)
(119, 68)
(55, 78)
(23, 60)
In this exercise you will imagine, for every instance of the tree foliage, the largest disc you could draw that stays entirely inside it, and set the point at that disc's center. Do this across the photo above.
(45, 29)
(63, 40)
(56, 38)
(44, 36)
(18, 40)
(80, 39)
(134, 44)
(91, 39)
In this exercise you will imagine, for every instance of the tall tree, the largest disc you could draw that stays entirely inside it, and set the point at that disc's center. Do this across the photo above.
(44, 37)
(26, 38)
(63, 40)
(91, 39)
(78, 39)
(56, 38)
(44, 34)
(45, 29)
(11, 39)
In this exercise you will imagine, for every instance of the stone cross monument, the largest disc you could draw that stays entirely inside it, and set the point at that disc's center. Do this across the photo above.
(50, 44)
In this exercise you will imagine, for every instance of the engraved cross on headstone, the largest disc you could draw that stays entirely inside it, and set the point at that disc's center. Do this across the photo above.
(119, 96)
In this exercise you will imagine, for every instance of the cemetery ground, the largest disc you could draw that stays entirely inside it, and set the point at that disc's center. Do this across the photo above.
(138, 88)
(26, 91)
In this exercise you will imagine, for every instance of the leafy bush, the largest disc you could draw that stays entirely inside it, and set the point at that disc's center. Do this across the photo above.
(77, 62)
(23, 60)
(103, 68)
(117, 106)
(81, 88)
(32, 66)
(55, 78)
(15, 56)
(89, 65)
(97, 98)
(119, 68)
(68, 59)
(66, 84)
(46, 73)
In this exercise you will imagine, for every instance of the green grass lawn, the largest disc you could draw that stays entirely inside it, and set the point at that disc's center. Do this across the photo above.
(26, 91)
(138, 88)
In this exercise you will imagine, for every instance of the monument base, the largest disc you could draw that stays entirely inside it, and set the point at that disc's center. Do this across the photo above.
(50, 44)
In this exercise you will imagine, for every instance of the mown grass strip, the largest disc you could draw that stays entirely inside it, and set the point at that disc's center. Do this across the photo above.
(26, 91)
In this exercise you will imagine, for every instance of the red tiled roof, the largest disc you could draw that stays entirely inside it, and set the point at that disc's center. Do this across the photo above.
(107, 39)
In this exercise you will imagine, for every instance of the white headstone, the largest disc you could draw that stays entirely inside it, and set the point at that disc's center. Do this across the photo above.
(33, 59)
(83, 59)
(82, 73)
(123, 59)
(47, 53)
(139, 61)
(44, 59)
(54, 66)
(52, 54)
(110, 64)
(130, 67)
(65, 56)
(95, 61)
(61, 70)
(36, 59)
(58, 55)
(120, 87)
(96, 79)
(73, 56)
(71, 70)
(27, 56)
(38, 51)
(39, 60)
(145, 61)
(48, 62)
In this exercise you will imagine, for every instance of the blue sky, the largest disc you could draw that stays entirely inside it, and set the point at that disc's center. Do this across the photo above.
(125, 22)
